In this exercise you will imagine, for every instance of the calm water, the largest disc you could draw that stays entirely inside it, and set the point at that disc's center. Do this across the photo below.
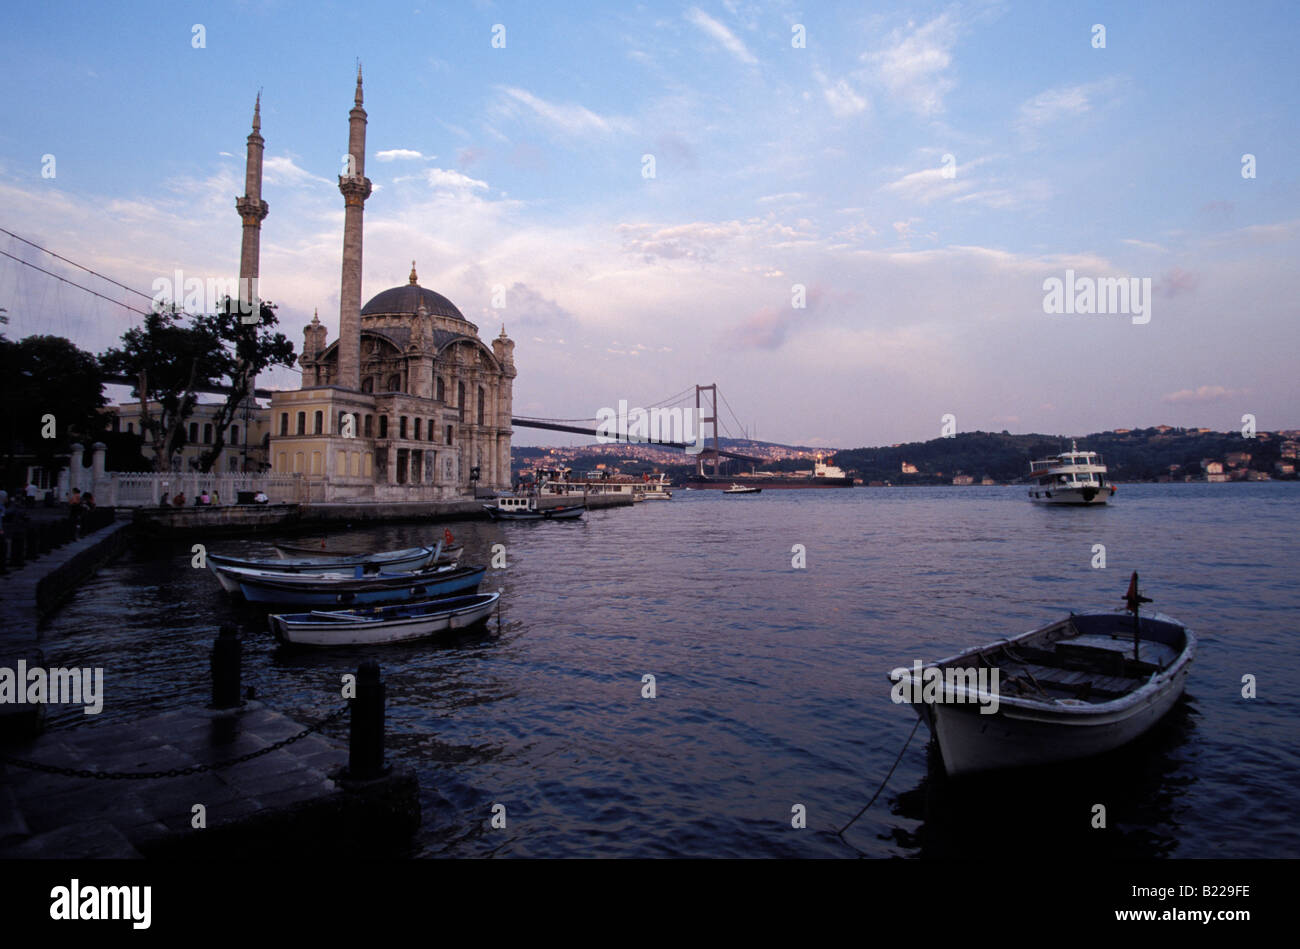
(772, 682)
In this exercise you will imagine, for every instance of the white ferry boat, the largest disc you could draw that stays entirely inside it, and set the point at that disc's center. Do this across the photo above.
(561, 482)
(1072, 477)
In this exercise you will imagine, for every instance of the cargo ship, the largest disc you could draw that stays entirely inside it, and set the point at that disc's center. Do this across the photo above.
(823, 476)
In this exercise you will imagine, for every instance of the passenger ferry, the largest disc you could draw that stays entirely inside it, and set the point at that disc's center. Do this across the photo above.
(1072, 477)
(560, 482)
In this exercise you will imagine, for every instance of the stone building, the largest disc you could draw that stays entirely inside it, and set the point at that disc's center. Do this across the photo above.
(408, 403)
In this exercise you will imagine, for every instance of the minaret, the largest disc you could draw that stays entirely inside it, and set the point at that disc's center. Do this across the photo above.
(252, 210)
(355, 187)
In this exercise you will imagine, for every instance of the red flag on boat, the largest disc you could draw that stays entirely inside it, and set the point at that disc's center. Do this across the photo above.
(446, 537)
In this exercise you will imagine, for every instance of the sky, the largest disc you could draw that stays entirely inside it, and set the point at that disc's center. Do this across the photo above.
(656, 186)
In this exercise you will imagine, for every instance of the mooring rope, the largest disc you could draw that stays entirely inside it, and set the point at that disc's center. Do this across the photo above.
(840, 833)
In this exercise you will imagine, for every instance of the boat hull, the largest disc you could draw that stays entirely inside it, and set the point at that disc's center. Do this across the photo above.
(354, 628)
(546, 514)
(1026, 731)
(362, 592)
(1015, 738)
(1078, 497)
(412, 558)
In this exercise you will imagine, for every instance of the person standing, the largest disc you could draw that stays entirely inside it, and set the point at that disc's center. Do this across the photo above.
(31, 491)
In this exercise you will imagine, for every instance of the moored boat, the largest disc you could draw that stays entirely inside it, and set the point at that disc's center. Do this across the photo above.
(383, 624)
(742, 489)
(526, 509)
(308, 554)
(1072, 477)
(1077, 687)
(361, 591)
(229, 570)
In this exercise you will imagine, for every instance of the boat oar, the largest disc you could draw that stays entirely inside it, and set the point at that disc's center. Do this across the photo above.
(1134, 601)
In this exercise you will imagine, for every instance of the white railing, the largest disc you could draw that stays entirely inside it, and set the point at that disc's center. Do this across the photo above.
(146, 489)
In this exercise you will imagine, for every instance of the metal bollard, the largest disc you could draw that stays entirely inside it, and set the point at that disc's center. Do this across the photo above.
(44, 540)
(366, 740)
(226, 653)
(16, 550)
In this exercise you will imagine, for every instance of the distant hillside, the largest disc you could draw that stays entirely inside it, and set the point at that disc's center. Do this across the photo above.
(1137, 455)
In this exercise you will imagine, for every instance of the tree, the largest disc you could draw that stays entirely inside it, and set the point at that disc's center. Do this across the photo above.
(170, 363)
(53, 395)
(248, 349)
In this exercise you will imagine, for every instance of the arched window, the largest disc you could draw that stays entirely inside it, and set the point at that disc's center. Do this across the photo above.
(207, 433)
(450, 431)
(401, 427)
(234, 434)
(417, 429)
(370, 426)
(284, 424)
(394, 383)
(194, 433)
(432, 430)
(368, 384)
(320, 424)
(383, 426)
(302, 426)
(442, 389)
(482, 404)
(460, 399)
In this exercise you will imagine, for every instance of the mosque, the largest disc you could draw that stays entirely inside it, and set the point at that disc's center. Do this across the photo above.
(407, 403)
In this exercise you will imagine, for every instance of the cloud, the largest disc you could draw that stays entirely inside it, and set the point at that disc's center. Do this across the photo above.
(926, 185)
(1145, 245)
(913, 68)
(282, 170)
(1061, 102)
(1176, 282)
(399, 154)
(724, 37)
(1203, 394)
(841, 97)
(444, 179)
(569, 118)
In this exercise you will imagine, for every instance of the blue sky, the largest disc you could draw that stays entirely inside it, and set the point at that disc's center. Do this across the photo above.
(821, 166)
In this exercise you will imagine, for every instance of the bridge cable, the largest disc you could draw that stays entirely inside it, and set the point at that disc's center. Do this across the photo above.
(73, 263)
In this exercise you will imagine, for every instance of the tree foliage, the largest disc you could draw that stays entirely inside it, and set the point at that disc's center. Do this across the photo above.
(48, 386)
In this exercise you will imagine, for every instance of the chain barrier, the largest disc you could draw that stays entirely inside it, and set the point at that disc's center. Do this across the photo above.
(173, 772)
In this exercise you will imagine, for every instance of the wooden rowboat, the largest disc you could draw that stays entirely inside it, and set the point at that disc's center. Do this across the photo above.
(384, 624)
(338, 593)
(1071, 689)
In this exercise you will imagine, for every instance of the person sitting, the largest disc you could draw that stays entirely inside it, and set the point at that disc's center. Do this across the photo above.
(166, 499)
(260, 498)
(205, 498)
(179, 500)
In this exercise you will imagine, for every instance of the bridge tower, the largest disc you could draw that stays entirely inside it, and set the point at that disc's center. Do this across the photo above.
(701, 418)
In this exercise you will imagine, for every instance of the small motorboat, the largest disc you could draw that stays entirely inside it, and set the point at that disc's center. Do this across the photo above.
(382, 624)
(1077, 687)
(526, 509)
(361, 591)
(311, 553)
(742, 489)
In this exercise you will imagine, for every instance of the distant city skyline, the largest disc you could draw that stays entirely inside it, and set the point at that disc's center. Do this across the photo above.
(913, 175)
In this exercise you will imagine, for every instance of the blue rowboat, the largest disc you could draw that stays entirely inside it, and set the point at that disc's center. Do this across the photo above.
(362, 591)
(382, 624)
